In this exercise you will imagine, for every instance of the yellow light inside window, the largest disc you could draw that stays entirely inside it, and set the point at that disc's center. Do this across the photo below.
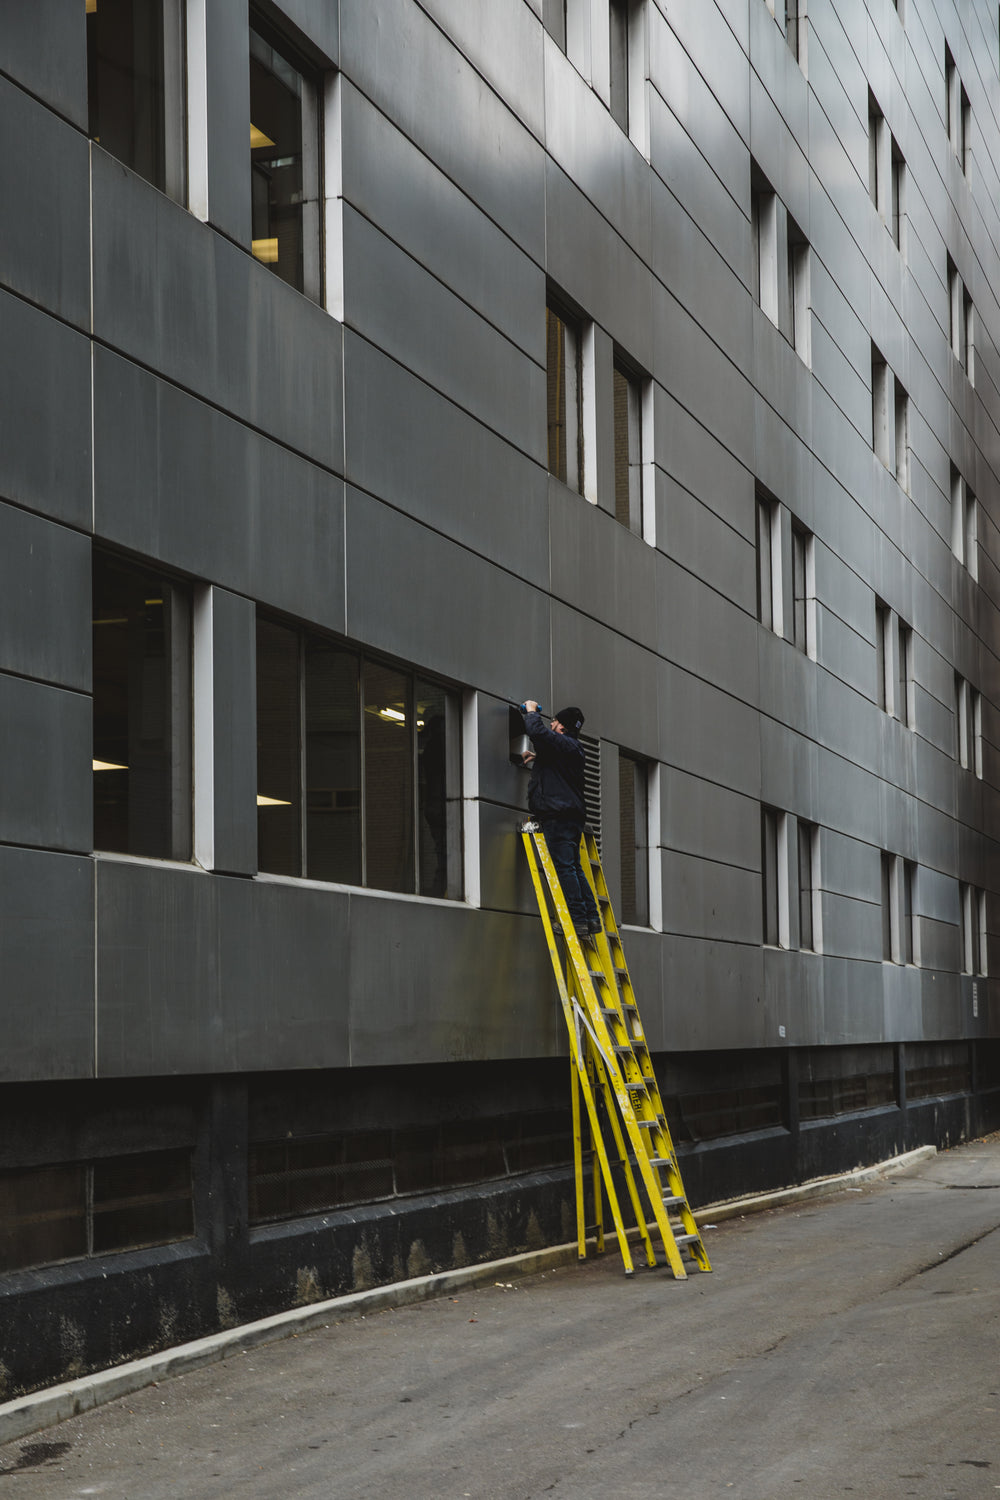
(257, 137)
(271, 801)
(392, 714)
(265, 250)
(108, 765)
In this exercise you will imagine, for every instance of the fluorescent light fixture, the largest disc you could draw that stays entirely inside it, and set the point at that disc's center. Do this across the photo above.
(257, 137)
(393, 714)
(108, 765)
(271, 801)
(91, 7)
(265, 250)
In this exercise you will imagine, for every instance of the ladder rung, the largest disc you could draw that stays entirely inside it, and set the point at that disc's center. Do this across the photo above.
(687, 1239)
(673, 1202)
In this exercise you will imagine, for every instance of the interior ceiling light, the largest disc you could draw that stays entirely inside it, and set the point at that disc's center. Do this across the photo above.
(108, 765)
(265, 250)
(393, 714)
(271, 801)
(258, 138)
(91, 7)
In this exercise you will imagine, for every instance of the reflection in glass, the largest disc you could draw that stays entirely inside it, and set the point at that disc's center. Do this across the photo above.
(439, 791)
(125, 81)
(142, 712)
(276, 161)
(279, 772)
(633, 822)
(333, 763)
(388, 721)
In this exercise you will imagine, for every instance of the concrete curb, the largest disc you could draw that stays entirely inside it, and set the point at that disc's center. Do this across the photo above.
(57, 1403)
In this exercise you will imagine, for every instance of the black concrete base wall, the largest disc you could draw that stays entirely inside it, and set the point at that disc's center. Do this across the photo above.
(61, 1321)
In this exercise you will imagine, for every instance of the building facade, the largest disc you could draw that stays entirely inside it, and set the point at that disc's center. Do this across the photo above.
(632, 353)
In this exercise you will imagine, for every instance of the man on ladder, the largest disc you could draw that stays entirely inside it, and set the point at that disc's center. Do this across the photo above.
(556, 801)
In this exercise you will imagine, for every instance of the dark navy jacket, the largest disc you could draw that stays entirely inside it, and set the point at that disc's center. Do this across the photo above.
(556, 786)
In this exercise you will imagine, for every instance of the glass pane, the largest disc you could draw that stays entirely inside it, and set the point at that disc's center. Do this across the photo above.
(125, 82)
(437, 811)
(42, 1216)
(799, 588)
(805, 886)
(765, 586)
(142, 735)
(333, 763)
(276, 161)
(279, 769)
(555, 355)
(389, 861)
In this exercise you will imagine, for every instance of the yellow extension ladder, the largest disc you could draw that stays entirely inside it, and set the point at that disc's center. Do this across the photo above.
(611, 1067)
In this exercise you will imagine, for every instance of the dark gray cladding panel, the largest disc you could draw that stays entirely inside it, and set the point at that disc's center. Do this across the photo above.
(201, 311)
(506, 879)
(449, 470)
(260, 980)
(45, 400)
(420, 991)
(180, 482)
(46, 965)
(46, 779)
(44, 47)
(234, 637)
(44, 171)
(228, 103)
(45, 600)
(420, 596)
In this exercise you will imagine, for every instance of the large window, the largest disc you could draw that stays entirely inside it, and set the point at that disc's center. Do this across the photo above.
(135, 86)
(358, 767)
(284, 162)
(142, 711)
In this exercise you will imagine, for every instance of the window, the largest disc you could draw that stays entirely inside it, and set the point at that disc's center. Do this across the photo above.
(628, 447)
(808, 844)
(795, 29)
(883, 654)
(66, 1212)
(958, 112)
(618, 22)
(901, 423)
(771, 837)
(876, 130)
(973, 916)
(886, 172)
(768, 562)
(554, 21)
(802, 561)
(964, 523)
(799, 332)
(898, 196)
(968, 726)
(764, 236)
(960, 321)
(358, 760)
(894, 664)
(633, 812)
(135, 88)
(284, 162)
(880, 407)
(899, 878)
(563, 361)
(142, 711)
(904, 693)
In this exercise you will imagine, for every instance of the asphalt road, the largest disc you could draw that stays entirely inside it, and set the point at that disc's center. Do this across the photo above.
(846, 1346)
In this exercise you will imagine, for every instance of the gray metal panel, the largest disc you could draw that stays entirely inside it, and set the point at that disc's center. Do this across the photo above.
(440, 465)
(186, 303)
(499, 780)
(45, 399)
(227, 44)
(319, 26)
(415, 594)
(601, 567)
(699, 817)
(46, 965)
(45, 171)
(46, 788)
(45, 600)
(459, 122)
(506, 879)
(198, 491)
(44, 47)
(503, 41)
(420, 991)
(234, 664)
(705, 899)
(713, 993)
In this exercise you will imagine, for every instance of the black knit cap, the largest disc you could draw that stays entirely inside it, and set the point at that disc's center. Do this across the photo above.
(571, 720)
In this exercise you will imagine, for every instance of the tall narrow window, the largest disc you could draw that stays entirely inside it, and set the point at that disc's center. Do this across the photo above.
(801, 550)
(972, 903)
(795, 29)
(284, 162)
(880, 408)
(764, 235)
(971, 532)
(767, 539)
(359, 767)
(876, 126)
(618, 22)
(565, 396)
(965, 732)
(907, 915)
(628, 448)
(770, 821)
(899, 885)
(799, 332)
(883, 654)
(633, 807)
(807, 844)
(901, 414)
(554, 21)
(977, 731)
(904, 691)
(968, 336)
(142, 711)
(888, 875)
(135, 86)
(898, 193)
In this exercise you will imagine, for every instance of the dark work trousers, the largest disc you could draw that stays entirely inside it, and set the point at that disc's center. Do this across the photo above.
(563, 840)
